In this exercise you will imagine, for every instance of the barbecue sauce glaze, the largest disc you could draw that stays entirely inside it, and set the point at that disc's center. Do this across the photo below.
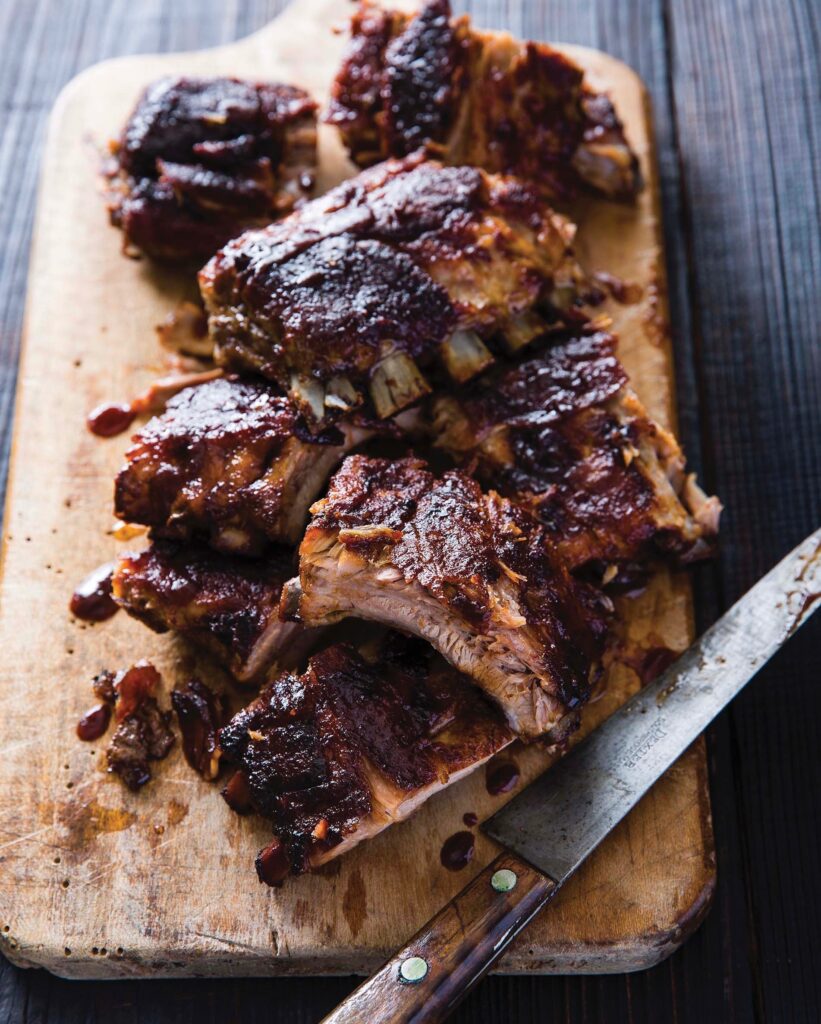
(92, 600)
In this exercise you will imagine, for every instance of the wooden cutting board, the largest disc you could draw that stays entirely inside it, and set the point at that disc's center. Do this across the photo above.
(99, 882)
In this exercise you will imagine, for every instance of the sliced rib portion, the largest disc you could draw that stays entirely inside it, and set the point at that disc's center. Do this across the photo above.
(353, 745)
(563, 432)
(409, 265)
(481, 98)
(229, 605)
(200, 159)
(472, 573)
(230, 462)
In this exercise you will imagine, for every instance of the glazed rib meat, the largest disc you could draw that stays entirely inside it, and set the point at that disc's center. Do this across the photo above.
(406, 266)
(470, 572)
(353, 745)
(477, 98)
(200, 159)
(230, 462)
(228, 605)
(562, 431)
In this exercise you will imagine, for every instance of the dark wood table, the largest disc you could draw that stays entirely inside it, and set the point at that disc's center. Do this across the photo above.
(735, 87)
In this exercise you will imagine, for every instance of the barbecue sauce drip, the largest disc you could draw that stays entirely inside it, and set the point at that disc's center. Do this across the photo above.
(457, 851)
(501, 777)
(110, 420)
(470, 819)
(94, 722)
(92, 600)
(808, 602)
(654, 662)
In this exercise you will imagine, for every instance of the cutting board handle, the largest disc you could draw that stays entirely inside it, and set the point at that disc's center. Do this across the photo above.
(425, 980)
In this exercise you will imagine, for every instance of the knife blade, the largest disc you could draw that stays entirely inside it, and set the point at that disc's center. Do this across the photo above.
(552, 826)
(558, 820)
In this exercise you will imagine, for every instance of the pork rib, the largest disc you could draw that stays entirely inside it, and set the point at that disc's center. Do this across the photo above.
(200, 159)
(353, 745)
(472, 573)
(563, 432)
(480, 98)
(228, 605)
(230, 462)
(409, 265)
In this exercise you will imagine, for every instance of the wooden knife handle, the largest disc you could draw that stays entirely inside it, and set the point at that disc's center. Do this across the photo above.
(425, 980)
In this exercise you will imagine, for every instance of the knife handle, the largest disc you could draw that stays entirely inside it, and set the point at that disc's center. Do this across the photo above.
(424, 981)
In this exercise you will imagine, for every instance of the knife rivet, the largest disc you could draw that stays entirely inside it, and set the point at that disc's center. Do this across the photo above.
(413, 970)
(504, 880)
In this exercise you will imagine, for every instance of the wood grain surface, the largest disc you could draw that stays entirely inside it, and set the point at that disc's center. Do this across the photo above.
(100, 882)
(735, 91)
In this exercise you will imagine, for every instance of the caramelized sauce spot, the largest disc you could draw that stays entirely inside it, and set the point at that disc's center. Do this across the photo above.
(110, 420)
(94, 722)
(628, 293)
(501, 777)
(92, 600)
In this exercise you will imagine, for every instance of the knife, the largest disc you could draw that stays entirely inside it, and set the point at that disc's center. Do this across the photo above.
(551, 827)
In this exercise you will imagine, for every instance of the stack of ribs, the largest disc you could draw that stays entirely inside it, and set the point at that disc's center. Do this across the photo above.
(200, 159)
(427, 306)
(476, 98)
(411, 268)
(561, 431)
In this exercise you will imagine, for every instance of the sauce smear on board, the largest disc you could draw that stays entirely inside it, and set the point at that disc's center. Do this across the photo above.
(110, 420)
(457, 851)
(501, 777)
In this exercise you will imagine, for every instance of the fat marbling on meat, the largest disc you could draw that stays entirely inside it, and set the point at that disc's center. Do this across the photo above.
(470, 571)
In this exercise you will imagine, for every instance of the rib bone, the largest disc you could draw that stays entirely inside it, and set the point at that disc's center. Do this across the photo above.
(522, 329)
(309, 396)
(342, 395)
(465, 355)
(396, 383)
